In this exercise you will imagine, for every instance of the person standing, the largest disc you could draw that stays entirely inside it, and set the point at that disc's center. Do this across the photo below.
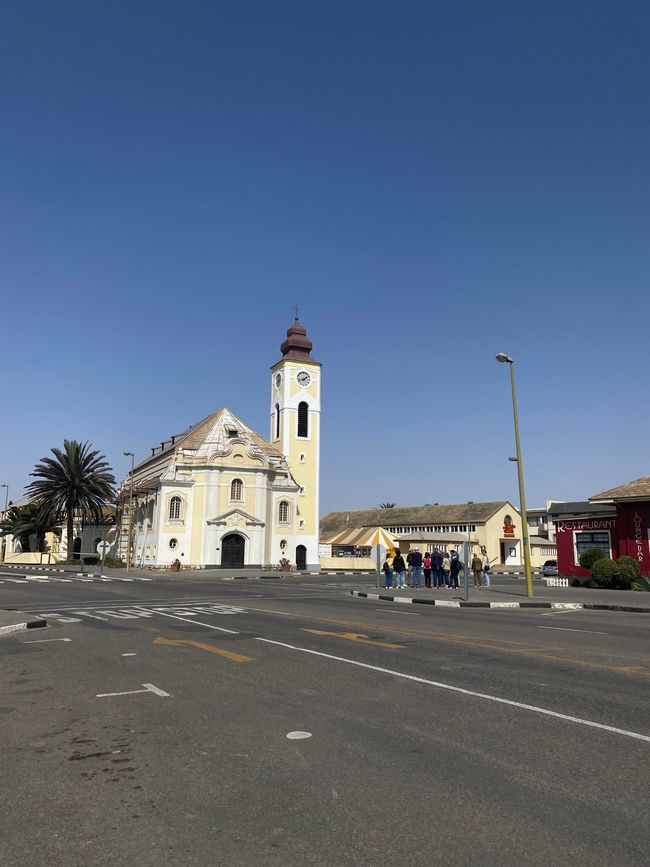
(456, 566)
(387, 569)
(399, 568)
(486, 570)
(436, 568)
(427, 569)
(416, 568)
(446, 571)
(477, 569)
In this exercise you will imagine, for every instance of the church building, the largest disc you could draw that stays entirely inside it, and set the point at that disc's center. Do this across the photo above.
(220, 495)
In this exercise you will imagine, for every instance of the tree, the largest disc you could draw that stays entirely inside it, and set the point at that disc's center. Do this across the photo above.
(387, 505)
(21, 522)
(77, 481)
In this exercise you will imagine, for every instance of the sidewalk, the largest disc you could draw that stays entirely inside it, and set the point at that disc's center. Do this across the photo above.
(16, 621)
(514, 596)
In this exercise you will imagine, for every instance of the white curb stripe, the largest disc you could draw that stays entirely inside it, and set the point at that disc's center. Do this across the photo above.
(15, 627)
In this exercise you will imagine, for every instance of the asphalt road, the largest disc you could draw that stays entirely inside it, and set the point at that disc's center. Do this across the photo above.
(148, 725)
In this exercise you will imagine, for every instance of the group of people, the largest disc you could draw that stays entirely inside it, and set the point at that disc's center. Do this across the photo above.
(440, 569)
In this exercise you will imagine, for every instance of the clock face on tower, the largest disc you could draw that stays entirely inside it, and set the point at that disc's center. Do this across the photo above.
(303, 378)
(278, 380)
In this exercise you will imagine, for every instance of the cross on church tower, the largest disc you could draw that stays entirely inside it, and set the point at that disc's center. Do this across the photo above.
(297, 309)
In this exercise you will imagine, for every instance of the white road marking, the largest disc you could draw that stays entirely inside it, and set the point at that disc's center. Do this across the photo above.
(156, 690)
(563, 611)
(460, 690)
(392, 611)
(148, 687)
(298, 736)
(127, 692)
(45, 640)
(197, 622)
(567, 629)
(129, 654)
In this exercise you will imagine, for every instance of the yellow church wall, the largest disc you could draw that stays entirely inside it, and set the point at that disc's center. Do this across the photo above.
(197, 523)
(305, 474)
(175, 526)
(247, 503)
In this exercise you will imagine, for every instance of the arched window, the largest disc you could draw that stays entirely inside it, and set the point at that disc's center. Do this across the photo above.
(277, 421)
(236, 489)
(303, 419)
(175, 509)
(283, 512)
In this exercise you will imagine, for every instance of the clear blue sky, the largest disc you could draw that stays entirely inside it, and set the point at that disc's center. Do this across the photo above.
(433, 182)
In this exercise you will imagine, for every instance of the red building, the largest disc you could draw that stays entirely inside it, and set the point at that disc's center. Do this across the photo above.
(616, 521)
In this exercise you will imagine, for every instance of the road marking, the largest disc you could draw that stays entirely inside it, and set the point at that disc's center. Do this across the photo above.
(211, 648)
(298, 736)
(392, 611)
(562, 611)
(156, 690)
(460, 690)
(356, 636)
(129, 654)
(492, 645)
(567, 629)
(148, 687)
(197, 622)
(45, 640)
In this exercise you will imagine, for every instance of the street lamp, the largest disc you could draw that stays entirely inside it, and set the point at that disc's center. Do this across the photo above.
(505, 359)
(4, 515)
(130, 536)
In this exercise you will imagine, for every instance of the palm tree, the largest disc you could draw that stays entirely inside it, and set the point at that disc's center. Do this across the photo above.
(25, 521)
(387, 505)
(77, 481)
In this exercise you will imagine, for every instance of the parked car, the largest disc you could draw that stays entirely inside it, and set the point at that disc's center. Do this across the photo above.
(549, 568)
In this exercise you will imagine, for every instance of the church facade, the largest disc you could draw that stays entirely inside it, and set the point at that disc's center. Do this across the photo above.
(220, 495)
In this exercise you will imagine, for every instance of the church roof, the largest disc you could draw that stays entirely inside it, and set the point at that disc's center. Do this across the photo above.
(211, 434)
(409, 515)
(297, 346)
(218, 429)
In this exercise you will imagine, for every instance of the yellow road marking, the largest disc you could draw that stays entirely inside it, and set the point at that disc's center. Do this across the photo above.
(211, 648)
(356, 636)
(517, 648)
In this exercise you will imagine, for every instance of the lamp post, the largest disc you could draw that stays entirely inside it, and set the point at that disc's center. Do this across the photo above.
(4, 515)
(505, 359)
(469, 546)
(130, 535)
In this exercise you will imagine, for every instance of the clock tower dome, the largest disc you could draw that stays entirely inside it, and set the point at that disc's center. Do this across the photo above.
(295, 431)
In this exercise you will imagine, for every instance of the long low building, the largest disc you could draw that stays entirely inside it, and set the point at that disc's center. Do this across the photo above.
(494, 529)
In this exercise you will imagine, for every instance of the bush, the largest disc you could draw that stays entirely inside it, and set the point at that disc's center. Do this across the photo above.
(626, 560)
(605, 573)
(590, 557)
(615, 574)
(626, 574)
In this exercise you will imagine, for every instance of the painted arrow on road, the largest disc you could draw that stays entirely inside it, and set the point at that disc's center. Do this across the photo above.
(356, 636)
(211, 648)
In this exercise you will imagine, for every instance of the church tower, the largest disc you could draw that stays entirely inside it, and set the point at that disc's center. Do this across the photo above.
(295, 431)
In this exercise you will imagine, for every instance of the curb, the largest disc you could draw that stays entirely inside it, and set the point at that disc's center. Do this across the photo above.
(37, 623)
(449, 603)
